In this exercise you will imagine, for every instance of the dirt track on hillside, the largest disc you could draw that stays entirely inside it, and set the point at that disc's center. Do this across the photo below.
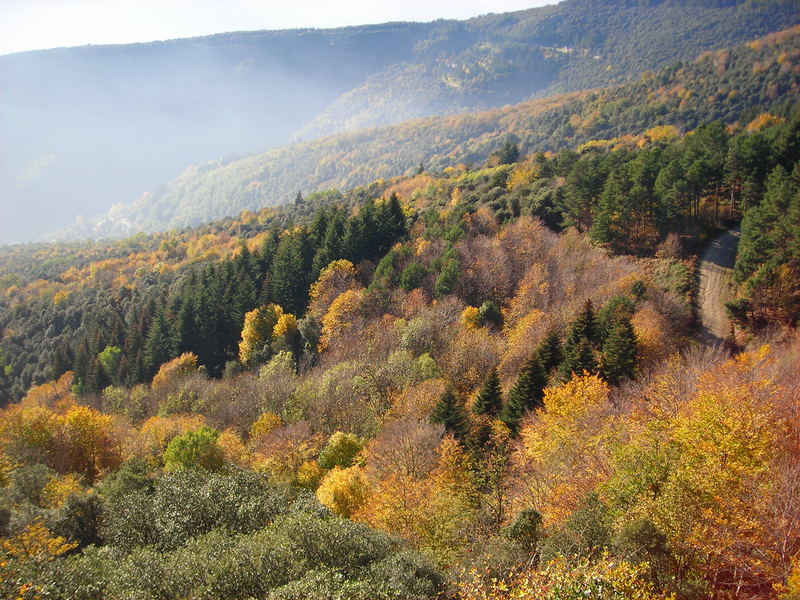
(716, 288)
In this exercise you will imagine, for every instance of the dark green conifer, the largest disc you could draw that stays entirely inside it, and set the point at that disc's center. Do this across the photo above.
(584, 325)
(397, 219)
(507, 154)
(489, 314)
(578, 357)
(158, 347)
(372, 240)
(245, 296)
(549, 351)
(448, 277)
(619, 352)
(81, 363)
(352, 241)
(288, 276)
(617, 308)
(61, 361)
(525, 395)
(96, 378)
(136, 374)
(184, 326)
(265, 254)
(490, 397)
(319, 224)
(412, 275)
(450, 412)
(245, 261)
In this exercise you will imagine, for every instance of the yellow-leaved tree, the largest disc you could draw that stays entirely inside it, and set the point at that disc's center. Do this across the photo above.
(91, 445)
(172, 372)
(284, 334)
(335, 279)
(340, 316)
(565, 447)
(36, 544)
(710, 463)
(257, 331)
(344, 491)
(720, 496)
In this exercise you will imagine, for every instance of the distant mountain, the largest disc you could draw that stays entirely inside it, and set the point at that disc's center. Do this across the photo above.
(84, 128)
(731, 85)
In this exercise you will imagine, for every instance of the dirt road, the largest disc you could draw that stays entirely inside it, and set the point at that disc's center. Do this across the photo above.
(716, 287)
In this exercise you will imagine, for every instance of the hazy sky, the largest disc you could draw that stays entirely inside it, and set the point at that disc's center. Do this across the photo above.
(35, 24)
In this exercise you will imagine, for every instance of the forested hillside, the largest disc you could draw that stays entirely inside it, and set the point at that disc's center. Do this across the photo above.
(456, 358)
(63, 304)
(731, 85)
(85, 128)
(481, 384)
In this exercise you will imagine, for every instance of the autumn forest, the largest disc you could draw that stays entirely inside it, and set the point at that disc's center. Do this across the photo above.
(480, 376)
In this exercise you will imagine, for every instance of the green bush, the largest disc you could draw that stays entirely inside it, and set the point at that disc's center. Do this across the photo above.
(341, 450)
(412, 276)
(196, 449)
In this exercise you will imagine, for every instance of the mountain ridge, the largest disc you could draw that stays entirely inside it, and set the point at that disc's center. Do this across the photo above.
(90, 127)
(675, 96)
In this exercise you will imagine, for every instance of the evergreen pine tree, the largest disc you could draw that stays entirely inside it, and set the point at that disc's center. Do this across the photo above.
(790, 227)
(123, 371)
(245, 296)
(448, 277)
(158, 348)
(353, 241)
(763, 226)
(619, 352)
(490, 314)
(391, 225)
(288, 276)
(584, 325)
(136, 373)
(374, 236)
(525, 395)
(490, 398)
(319, 224)
(507, 154)
(450, 413)
(116, 332)
(549, 351)
(265, 254)
(584, 183)
(245, 261)
(62, 360)
(397, 218)
(617, 308)
(607, 225)
(183, 329)
(81, 364)
(96, 378)
(578, 357)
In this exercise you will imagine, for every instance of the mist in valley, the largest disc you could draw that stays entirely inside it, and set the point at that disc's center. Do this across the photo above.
(89, 128)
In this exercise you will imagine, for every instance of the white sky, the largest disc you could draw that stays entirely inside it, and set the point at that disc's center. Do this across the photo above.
(36, 24)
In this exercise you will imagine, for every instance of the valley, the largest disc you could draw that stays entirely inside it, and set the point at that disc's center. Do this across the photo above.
(504, 308)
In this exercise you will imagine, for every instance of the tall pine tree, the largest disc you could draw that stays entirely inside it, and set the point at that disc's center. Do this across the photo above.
(450, 412)
(490, 398)
(585, 325)
(288, 282)
(525, 395)
(158, 347)
(549, 351)
(619, 352)
(578, 357)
